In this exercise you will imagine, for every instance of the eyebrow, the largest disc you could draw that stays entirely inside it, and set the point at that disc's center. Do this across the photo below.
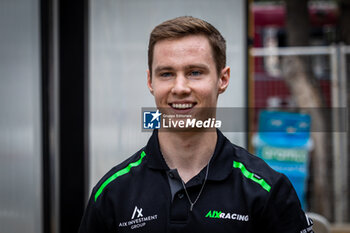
(161, 68)
(198, 66)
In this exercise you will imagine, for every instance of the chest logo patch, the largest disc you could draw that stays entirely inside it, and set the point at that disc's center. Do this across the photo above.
(137, 219)
(139, 213)
(222, 215)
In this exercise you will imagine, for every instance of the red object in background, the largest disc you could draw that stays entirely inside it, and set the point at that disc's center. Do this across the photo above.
(272, 15)
(269, 31)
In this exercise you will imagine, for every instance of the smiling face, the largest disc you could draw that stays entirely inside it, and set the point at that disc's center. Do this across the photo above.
(184, 76)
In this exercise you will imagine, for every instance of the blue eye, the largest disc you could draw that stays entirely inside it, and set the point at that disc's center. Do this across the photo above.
(166, 74)
(195, 73)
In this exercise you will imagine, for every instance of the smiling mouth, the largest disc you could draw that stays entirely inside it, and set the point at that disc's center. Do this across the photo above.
(182, 106)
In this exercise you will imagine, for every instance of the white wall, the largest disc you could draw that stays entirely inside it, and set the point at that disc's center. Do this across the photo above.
(20, 116)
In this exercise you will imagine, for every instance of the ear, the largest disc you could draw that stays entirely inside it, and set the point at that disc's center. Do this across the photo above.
(224, 79)
(149, 82)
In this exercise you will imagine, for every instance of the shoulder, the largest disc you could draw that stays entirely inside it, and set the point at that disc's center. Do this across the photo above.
(255, 169)
(258, 178)
(280, 206)
(119, 174)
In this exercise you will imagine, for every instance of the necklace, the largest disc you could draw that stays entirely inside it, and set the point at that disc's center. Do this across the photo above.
(200, 192)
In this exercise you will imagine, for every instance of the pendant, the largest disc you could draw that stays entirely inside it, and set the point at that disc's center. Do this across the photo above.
(191, 208)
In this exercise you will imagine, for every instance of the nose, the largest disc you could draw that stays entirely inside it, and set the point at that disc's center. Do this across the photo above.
(181, 86)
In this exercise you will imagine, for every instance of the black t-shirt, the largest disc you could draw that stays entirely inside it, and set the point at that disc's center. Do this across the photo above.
(242, 194)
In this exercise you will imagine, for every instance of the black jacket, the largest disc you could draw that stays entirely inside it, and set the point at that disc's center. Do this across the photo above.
(242, 194)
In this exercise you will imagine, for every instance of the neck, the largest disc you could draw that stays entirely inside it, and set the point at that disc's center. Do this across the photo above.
(188, 152)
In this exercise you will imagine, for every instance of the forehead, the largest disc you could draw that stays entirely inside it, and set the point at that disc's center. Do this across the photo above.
(182, 50)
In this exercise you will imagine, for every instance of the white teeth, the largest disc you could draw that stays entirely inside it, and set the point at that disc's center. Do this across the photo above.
(182, 106)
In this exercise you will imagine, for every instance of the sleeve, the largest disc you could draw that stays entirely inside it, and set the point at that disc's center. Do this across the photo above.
(283, 212)
(92, 221)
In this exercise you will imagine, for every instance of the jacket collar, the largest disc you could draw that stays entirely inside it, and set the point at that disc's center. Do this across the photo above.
(220, 165)
(155, 158)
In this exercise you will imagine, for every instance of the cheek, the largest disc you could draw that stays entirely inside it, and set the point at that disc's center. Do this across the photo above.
(160, 90)
(208, 91)
(159, 95)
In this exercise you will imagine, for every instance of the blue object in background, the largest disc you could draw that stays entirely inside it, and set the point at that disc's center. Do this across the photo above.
(283, 141)
(284, 129)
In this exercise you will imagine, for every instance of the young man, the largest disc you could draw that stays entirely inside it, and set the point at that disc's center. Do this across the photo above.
(192, 181)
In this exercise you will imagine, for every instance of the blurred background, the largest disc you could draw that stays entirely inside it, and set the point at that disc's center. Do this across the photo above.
(73, 82)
